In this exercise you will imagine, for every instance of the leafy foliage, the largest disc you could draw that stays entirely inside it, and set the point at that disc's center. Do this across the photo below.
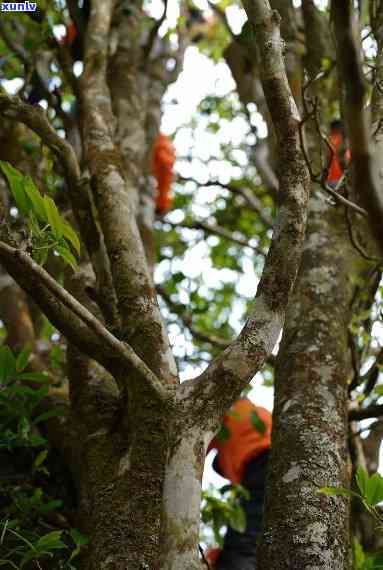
(25, 508)
(222, 508)
(21, 546)
(48, 230)
(19, 399)
(369, 490)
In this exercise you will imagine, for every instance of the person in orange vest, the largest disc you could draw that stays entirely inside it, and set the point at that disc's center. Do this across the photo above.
(242, 445)
(164, 157)
(341, 153)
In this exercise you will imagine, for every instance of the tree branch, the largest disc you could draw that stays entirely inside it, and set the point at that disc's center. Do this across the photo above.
(114, 200)
(365, 179)
(214, 390)
(36, 119)
(342, 200)
(154, 31)
(371, 377)
(365, 413)
(73, 319)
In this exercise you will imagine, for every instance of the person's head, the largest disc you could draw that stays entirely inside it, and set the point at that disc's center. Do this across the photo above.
(336, 127)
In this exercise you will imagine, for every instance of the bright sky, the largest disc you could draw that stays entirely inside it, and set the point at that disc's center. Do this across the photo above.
(180, 105)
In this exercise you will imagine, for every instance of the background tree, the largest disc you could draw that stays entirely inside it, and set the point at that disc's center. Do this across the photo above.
(132, 436)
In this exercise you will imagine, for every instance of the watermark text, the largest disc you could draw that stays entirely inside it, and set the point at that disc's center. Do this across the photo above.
(18, 6)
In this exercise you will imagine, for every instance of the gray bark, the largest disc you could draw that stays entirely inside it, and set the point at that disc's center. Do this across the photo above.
(304, 529)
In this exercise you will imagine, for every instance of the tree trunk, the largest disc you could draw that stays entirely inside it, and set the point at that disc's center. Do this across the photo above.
(122, 496)
(303, 528)
(133, 498)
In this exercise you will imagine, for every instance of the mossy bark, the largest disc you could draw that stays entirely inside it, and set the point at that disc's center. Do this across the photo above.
(304, 528)
(140, 494)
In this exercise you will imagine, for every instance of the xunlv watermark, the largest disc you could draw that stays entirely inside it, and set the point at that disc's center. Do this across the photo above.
(18, 7)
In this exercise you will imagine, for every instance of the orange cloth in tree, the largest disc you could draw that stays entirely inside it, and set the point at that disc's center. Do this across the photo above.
(337, 163)
(71, 34)
(241, 439)
(164, 157)
(212, 555)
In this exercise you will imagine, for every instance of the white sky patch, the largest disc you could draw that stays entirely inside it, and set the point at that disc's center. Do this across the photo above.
(12, 85)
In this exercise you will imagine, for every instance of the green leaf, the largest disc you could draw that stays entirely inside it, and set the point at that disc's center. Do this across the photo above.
(374, 489)
(51, 506)
(257, 423)
(24, 428)
(361, 478)
(7, 364)
(78, 538)
(49, 414)
(178, 277)
(237, 519)
(50, 541)
(33, 376)
(67, 256)
(40, 458)
(36, 199)
(223, 434)
(71, 236)
(23, 358)
(16, 185)
(248, 32)
(54, 217)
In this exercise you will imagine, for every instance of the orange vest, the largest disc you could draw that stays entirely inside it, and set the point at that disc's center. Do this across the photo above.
(164, 157)
(212, 556)
(71, 34)
(336, 168)
(239, 440)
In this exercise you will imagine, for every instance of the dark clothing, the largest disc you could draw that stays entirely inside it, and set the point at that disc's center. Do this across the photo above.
(238, 551)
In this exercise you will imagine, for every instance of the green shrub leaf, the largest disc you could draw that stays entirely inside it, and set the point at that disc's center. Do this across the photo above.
(7, 364)
(16, 185)
(54, 217)
(374, 489)
(35, 198)
(71, 236)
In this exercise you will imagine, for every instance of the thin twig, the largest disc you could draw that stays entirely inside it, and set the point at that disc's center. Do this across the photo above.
(252, 201)
(154, 32)
(374, 411)
(354, 241)
(214, 229)
(342, 200)
(365, 179)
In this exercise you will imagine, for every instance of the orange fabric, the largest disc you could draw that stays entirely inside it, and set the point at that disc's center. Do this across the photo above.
(212, 555)
(336, 168)
(243, 441)
(164, 157)
(70, 36)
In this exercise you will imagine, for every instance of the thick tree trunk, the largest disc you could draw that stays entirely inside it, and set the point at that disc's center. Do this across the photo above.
(122, 497)
(140, 484)
(305, 529)
(181, 518)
